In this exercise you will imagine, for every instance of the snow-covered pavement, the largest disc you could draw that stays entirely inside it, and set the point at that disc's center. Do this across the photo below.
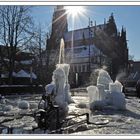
(119, 122)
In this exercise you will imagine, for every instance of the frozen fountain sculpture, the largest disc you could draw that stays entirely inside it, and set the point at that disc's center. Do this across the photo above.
(106, 93)
(59, 85)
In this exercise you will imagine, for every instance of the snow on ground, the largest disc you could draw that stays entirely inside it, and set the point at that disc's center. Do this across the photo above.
(119, 122)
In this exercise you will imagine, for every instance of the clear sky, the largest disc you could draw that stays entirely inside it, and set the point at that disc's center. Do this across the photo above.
(128, 16)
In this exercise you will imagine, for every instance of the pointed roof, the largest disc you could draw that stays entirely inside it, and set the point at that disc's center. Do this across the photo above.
(34, 75)
(22, 73)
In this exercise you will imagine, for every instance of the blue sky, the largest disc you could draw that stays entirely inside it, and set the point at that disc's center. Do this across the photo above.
(128, 16)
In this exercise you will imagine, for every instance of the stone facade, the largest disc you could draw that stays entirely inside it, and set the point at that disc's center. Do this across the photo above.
(88, 48)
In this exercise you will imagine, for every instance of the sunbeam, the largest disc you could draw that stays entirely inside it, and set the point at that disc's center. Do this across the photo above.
(74, 10)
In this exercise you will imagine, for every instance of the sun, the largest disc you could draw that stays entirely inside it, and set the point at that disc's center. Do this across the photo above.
(74, 10)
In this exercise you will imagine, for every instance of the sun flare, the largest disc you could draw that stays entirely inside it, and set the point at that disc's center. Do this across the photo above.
(74, 10)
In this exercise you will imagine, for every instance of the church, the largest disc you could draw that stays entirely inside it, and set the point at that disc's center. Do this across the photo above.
(87, 49)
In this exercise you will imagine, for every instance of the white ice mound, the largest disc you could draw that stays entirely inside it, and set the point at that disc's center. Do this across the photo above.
(59, 81)
(67, 93)
(33, 105)
(93, 93)
(115, 87)
(98, 105)
(118, 98)
(95, 100)
(106, 94)
(102, 93)
(23, 104)
(60, 87)
(2, 99)
(50, 88)
(104, 79)
(119, 86)
(68, 98)
(65, 68)
(8, 108)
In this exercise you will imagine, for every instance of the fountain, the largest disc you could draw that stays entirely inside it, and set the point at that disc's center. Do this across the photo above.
(55, 101)
(59, 86)
(106, 94)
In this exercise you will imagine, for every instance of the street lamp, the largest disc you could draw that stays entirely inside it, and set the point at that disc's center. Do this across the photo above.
(90, 35)
(131, 67)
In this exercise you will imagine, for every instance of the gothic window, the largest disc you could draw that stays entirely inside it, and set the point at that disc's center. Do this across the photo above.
(80, 67)
(83, 68)
(93, 60)
(75, 68)
(71, 68)
(87, 68)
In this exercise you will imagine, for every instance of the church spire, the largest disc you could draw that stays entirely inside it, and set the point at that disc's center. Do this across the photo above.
(123, 34)
(111, 26)
(59, 25)
(104, 21)
(59, 7)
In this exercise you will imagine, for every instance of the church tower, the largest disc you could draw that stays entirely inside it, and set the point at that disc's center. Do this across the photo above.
(124, 48)
(111, 26)
(59, 26)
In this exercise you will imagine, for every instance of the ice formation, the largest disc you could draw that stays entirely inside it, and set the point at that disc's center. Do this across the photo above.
(59, 86)
(59, 80)
(66, 68)
(117, 97)
(104, 79)
(93, 93)
(33, 105)
(2, 99)
(7, 108)
(107, 93)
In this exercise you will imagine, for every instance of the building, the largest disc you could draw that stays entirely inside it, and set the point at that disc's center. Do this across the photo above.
(88, 48)
(134, 70)
(24, 67)
(83, 55)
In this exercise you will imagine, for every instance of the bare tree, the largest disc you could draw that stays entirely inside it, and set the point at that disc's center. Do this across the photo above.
(15, 32)
(131, 57)
(37, 47)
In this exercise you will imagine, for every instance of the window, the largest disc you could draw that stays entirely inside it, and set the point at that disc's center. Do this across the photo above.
(86, 68)
(78, 68)
(75, 68)
(83, 68)
(71, 68)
